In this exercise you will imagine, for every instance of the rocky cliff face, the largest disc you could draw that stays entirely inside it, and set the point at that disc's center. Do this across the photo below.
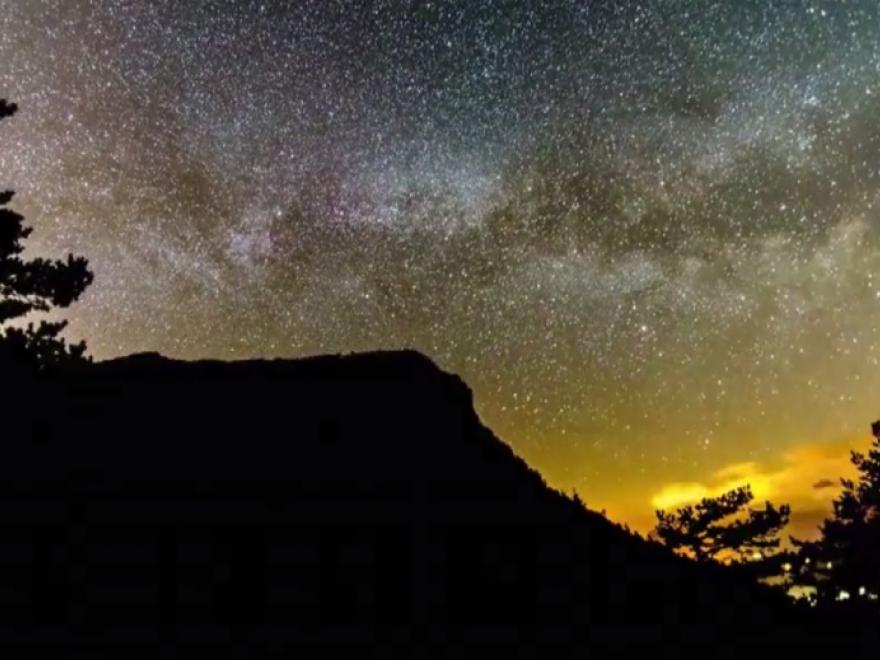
(357, 501)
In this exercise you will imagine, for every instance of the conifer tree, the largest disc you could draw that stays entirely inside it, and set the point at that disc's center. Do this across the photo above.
(843, 563)
(35, 285)
(725, 528)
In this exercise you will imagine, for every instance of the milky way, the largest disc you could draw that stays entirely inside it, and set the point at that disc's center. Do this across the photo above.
(646, 234)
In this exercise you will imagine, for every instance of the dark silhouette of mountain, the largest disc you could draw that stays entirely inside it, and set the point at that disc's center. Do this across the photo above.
(352, 504)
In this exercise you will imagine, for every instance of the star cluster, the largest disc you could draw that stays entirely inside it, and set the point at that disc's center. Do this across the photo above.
(645, 233)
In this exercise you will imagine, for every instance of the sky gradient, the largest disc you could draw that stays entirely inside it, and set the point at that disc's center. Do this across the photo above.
(646, 234)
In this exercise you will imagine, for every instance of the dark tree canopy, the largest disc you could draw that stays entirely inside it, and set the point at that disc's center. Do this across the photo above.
(843, 564)
(35, 285)
(724, 528)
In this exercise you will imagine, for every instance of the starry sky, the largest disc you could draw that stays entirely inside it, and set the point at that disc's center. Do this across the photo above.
(647, 234)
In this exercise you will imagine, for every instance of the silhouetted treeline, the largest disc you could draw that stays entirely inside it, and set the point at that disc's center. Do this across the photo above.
(36, 285)
(726, 529)
(838, 573)
(843, 565)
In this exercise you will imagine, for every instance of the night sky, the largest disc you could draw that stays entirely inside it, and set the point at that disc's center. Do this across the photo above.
(647, 234)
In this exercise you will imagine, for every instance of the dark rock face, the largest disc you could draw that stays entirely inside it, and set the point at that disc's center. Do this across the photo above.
(353, 504)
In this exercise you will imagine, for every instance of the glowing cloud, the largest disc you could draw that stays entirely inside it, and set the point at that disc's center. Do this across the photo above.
(793, 481)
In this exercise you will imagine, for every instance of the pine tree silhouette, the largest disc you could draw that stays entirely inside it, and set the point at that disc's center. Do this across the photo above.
(725, 529)
(36, 285)
(843, 564)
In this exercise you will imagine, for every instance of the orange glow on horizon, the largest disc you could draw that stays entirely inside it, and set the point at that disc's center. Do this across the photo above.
(806, 476)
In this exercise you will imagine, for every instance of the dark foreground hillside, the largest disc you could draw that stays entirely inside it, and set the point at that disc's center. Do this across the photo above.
(154, 508)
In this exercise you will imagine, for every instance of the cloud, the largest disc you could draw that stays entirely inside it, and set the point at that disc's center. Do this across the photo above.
(679, 493)
(798, 477)
(722, 480)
